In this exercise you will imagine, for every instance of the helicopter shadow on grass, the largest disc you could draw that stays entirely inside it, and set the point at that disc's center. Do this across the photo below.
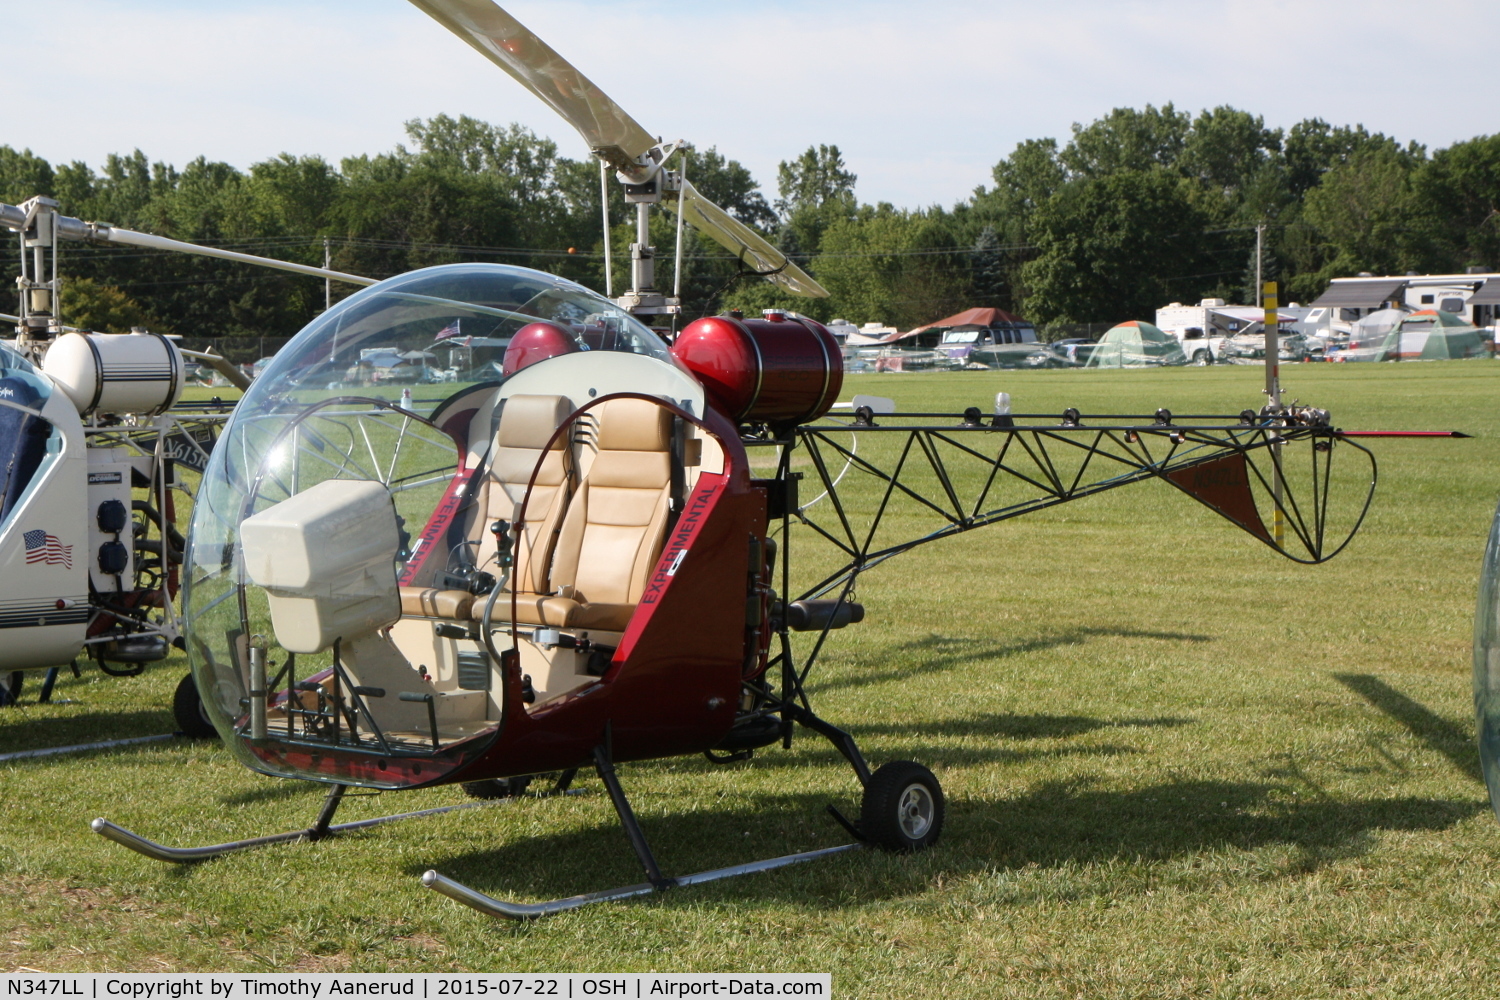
(1440, 735)
(24, 731)
(937, 751)
(1006, 725)
(939, 755)
(938, 653)
(1052, 825)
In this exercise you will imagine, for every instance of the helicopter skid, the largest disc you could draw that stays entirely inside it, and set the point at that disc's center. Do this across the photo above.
(182, 855)
(531, 911)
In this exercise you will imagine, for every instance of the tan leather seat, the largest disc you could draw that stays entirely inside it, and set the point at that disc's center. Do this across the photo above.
(527, 422)
(429, 602)
(615, 524)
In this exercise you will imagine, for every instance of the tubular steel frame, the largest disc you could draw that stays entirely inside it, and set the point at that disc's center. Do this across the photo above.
(1125, 448)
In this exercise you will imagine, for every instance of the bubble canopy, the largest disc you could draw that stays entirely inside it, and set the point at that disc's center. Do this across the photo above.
(448, 323)
(1487, 664)
(353, 397)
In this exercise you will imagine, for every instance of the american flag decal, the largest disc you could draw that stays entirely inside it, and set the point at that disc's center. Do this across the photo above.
(44, 548)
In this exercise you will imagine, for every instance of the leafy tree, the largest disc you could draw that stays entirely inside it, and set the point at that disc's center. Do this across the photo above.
(880, 265)
(813, 180)
(89, 305)
(1024, 181)
(1116, 247)
(815, 190)
(22, 175)
(1362, 210)
(1127, 139)
(1457, 194)
(1224, 153)
(1313, 147)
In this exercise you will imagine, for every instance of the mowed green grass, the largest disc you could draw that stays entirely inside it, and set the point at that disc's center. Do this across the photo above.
(1176, 765)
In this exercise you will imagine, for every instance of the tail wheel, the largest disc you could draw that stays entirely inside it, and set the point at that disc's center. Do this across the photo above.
(497, 788)
(187, 709)
(10, 687)
(903, 808)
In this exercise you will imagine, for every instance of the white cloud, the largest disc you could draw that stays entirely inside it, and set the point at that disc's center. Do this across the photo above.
(922, 99)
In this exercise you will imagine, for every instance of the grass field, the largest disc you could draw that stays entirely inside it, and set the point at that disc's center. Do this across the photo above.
(1176, 765)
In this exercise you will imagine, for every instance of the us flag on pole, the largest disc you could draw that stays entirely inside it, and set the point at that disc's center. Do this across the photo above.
(451, 330)
(45, 548)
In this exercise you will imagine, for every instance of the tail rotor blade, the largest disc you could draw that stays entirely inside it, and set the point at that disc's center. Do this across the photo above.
(612, 134)
(745, 243)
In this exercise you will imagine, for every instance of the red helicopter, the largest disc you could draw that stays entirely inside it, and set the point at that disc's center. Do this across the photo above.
(588, 560)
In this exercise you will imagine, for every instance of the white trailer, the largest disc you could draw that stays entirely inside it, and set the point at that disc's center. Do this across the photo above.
(1204, 329)
(1474, 295)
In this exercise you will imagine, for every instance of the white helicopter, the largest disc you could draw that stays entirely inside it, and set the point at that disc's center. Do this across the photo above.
(93, 439)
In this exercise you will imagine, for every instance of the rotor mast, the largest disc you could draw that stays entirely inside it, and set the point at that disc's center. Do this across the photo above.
(644, 298)
(35, 223)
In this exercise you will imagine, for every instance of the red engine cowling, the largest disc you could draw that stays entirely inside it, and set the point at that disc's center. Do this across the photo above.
(537, 342)
(780, 369)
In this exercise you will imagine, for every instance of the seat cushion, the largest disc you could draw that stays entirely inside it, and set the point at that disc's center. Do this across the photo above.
(561, 612)
(429, 602)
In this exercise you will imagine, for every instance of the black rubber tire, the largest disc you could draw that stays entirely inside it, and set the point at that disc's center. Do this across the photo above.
(1202, 358)
(497, 788)
(10, 692)
(903, 808)
(187, 709)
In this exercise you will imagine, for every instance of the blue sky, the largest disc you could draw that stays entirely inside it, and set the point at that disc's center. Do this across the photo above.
(922, 98)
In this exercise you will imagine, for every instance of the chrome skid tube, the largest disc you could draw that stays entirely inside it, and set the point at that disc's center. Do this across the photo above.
(178, 855)
(530, 911)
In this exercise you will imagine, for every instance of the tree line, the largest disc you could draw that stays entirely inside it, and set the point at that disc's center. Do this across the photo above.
(1135, 209)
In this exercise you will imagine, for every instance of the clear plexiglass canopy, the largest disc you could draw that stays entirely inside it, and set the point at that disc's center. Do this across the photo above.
(1487, 665)
(350, 398)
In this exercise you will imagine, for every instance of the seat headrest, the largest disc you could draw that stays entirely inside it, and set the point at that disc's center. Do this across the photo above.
(528, 421)
(633, 425)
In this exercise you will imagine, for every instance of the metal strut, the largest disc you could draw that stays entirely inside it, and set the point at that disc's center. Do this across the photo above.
(657, 882)
(322, 827)
(606, 768)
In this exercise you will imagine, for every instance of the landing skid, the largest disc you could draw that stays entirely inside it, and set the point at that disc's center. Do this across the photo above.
(604, 765)
(657, 882)
(324, 827)
(531, 911)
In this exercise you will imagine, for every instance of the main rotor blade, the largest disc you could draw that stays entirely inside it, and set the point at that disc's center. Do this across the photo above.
(612, 134)
(745, 243)
(68, 228)
(131, 238)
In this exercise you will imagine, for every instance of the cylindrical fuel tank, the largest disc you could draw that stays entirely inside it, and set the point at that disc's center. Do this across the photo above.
(537, 342)
(781, 369)
(116, 372)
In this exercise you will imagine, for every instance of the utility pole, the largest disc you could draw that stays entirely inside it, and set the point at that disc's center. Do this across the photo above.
(1260, 232)
(1271, 317)
(327, 282)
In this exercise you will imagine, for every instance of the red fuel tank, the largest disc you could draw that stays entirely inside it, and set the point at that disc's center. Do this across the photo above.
(537, 342)
(781, 369)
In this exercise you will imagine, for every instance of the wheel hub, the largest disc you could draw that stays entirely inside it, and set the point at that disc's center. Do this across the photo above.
(914, 811)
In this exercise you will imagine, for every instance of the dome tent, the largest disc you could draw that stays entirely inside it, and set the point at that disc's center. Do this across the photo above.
(1433, 335)
(1368, 336)
(1134, 344)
